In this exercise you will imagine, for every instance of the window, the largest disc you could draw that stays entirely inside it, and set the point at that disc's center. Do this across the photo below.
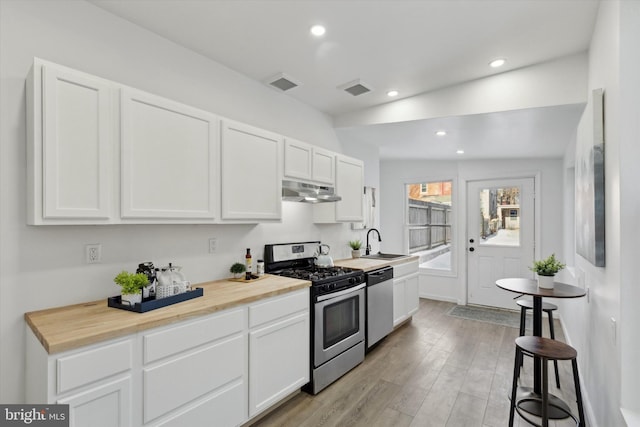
(500, 216)
(428, 223)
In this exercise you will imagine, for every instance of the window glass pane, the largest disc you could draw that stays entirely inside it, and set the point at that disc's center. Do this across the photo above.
(500, 216)
(429, 216)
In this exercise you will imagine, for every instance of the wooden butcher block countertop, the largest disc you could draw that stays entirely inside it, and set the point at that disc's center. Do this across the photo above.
(368, 264)
(65, 328)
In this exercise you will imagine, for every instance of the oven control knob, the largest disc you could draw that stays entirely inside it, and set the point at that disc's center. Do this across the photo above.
(352, 280)
(333, 286)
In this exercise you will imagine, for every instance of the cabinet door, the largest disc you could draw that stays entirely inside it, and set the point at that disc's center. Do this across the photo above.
(297, 159)
(172, 383)
(76, 146)
(323, 169)
(108, 405)
(399, 301)
(412, 300)
(349, 186)
(251, 172)
(169, 158)
(278, 361)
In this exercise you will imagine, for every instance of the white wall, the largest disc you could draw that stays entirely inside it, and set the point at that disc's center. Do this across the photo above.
(588, 321)
(629, 208)
(394, 174)
(42, 267)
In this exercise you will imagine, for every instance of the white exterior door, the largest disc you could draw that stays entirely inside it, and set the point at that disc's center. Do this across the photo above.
(500, 237)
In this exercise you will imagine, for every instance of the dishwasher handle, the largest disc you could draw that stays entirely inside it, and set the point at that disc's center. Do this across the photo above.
(379, 276)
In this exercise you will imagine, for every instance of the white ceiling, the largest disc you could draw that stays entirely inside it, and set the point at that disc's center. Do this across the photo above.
(527, 133)
(411, 46)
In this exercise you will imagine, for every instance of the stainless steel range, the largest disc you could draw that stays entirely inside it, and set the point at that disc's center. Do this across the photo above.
(338, 309)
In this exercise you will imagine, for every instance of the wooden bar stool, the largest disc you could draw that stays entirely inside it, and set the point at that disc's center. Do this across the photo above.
(546, 349)
(547, 308)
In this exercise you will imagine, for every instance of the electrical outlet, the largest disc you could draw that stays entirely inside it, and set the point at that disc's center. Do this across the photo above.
(93, 253)
(213, 245)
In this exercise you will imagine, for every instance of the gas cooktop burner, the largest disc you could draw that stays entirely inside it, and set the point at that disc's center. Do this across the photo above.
(316, 273)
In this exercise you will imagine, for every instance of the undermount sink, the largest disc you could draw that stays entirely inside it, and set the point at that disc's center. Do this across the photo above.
(384, 256)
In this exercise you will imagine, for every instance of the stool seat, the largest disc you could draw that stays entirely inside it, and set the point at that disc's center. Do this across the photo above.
(546, 348)
(543, 403)
(546, 306)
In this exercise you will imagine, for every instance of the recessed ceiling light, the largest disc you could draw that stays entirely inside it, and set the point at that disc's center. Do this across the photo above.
(392, 93)
(499, 62)
(441, 132)
(318, 30)
(460, 152)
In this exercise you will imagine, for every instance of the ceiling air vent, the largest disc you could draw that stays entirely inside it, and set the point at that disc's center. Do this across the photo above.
(356, 87)
(282, 81)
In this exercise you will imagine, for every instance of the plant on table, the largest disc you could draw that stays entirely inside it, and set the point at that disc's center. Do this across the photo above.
(355, 248)
(237, 269)
(131, 285)
(547, 269)
(548, 266)
(355, 244)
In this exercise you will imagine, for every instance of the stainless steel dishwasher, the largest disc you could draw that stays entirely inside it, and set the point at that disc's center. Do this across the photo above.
(379, 304)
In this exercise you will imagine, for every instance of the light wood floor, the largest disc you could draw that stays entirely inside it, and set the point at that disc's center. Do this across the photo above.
(436, 370)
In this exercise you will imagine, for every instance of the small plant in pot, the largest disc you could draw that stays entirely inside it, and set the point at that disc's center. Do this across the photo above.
(237, 269)
(355, 248)
(131, 285)
(546, 270)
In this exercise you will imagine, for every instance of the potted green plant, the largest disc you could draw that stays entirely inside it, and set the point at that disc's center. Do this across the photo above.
(131, 285)
(546, 270)
(237, 269)
(355, 248)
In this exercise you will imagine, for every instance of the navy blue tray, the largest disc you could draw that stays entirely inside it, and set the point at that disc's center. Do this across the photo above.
(152, 304)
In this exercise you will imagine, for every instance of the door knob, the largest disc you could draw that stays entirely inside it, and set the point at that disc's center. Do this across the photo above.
(471, 249)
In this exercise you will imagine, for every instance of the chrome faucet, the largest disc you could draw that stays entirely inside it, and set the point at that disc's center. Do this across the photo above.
(368, 249)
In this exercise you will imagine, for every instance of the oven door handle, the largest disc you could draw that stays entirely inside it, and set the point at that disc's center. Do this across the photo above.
(340, 293)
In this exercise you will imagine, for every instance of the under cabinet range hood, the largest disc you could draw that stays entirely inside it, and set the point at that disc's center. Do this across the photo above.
(294, 191)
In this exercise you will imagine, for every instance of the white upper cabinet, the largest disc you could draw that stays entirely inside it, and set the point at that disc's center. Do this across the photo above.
(251, 163)
(169, 158)
(306, 162)
(297, 159)
(349, 186)
(324, 166)
(70, 147)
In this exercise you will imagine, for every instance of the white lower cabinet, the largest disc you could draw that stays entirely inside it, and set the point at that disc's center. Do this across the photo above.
(406, 298)
(278, 349)
(107, 405)
(95, 381)
(219, 369)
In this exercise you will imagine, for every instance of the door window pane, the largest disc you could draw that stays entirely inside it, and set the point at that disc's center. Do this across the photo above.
(500, 216)
(429, 217)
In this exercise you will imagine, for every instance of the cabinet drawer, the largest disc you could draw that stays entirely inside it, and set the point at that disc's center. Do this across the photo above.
(224, 408)
(175, 383)
(167, 342)
(278, 307)
(406, 268)
(88, 366)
